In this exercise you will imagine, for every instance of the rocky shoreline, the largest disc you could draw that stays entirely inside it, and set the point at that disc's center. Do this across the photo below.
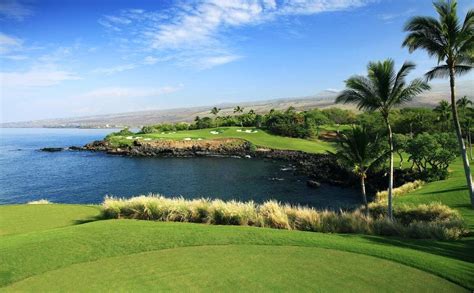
(320, 168)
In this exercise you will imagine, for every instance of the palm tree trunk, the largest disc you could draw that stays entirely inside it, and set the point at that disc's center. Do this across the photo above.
(390, 180)
(470, 143)
(457, 126)
(364, 195)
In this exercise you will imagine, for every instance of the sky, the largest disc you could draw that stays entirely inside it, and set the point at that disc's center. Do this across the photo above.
(67, 58)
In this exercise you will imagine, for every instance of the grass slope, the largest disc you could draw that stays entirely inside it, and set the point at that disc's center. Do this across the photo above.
(452, 192)
(260, 138)
(26, 255)
(15, 219)
(241, 268)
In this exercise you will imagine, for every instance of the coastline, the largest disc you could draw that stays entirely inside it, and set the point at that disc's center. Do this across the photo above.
(319, 168)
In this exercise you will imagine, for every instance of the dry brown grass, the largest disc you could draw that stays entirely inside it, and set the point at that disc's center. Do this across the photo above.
(434, 221)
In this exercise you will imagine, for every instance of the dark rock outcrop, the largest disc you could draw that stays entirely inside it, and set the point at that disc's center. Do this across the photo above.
(52, 150)
(322, 168)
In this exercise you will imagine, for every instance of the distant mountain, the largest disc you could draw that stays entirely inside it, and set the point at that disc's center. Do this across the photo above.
(324, 99)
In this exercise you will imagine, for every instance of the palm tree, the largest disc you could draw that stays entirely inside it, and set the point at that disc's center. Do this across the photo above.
(444, 113)
(215, 111)
(360, 151)
(239, 109)
(381, 90)
(452, 43)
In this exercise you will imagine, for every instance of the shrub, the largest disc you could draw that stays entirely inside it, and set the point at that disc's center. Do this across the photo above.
(400, 191)
(424, 221)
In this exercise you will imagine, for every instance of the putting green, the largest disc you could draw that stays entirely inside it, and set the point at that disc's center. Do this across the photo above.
(238, 267)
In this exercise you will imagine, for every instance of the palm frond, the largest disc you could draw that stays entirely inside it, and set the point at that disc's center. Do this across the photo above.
(416, 87)
(399, 83)
(440, 71)
(382, 75)
(360, 91)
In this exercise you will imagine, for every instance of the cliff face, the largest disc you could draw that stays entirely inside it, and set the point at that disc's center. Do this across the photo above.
(191, 148)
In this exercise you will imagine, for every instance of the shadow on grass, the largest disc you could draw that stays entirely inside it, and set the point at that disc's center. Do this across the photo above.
(88, 220)
(446, 190)
(459, 249)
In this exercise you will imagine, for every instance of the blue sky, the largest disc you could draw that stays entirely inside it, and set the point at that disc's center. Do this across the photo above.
(68, 58)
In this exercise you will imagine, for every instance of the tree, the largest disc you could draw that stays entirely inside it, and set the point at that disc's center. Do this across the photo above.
(444, 113)
(400, 143)
(316, 118)
(432, 154)
(414, 121)
(452, 43)
(237, 110)
(360, 151)
(215, 111)
(381, 90)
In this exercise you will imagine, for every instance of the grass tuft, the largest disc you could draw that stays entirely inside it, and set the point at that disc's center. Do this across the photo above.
(435, 221)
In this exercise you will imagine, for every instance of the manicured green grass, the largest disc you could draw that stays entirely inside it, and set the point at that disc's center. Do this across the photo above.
(15, 219)
(452, 192)
(260, 138)
(241, 268)
(27, 255)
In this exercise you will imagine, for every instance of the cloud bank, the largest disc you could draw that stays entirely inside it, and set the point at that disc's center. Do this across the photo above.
(194, 33)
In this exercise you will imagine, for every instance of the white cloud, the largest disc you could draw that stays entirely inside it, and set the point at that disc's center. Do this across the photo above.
(14, 9)
(389, 17)
(127, 92)
(150, 60)
(9, 43)
(115, 69)
(209, 62)
(35, 77)
(15, 57)
(197, 30)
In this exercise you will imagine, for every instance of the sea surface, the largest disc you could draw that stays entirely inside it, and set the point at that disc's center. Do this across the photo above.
(28, 174)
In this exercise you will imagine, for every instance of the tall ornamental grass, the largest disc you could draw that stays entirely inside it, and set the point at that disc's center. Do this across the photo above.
(435, 221)
(400, 191)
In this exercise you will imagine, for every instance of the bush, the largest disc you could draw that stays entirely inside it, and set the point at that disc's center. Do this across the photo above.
(424, 221)
(123, 132)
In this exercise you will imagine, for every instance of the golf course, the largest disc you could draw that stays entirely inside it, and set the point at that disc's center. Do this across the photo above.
(258, 137)
(57, 247)
(237, 146)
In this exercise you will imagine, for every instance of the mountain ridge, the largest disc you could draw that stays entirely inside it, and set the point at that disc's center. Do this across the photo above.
(323, 99)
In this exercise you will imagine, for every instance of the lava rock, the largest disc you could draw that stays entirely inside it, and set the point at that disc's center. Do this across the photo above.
(51, 150)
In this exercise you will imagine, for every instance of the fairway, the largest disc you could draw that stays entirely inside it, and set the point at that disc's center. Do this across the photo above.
(258, 137)
(240, 267)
